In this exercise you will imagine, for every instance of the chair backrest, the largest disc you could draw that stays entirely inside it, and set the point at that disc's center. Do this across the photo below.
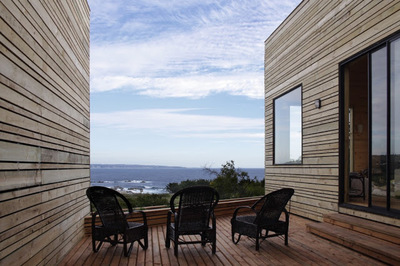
(105, 200)
(195, 207)
(273, 206)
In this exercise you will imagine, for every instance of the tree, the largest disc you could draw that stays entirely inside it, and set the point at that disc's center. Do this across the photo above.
(233, 183)
(174, 187)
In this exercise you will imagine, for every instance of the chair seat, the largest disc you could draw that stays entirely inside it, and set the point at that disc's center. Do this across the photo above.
(279, 227)
(246, 219)
(245, 225)
(135, 225)
(250, 221)
(191, 227)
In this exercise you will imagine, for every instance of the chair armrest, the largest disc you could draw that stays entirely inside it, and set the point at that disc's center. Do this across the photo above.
(241, 208)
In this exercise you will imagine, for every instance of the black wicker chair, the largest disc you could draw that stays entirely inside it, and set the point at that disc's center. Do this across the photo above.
(264, 217)
(115, 228)
(192, 217)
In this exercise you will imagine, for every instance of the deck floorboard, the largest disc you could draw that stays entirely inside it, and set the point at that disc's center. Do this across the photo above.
(304, 249)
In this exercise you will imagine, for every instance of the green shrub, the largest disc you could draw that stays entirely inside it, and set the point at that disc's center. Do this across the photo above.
(175, 187)
(144, 200)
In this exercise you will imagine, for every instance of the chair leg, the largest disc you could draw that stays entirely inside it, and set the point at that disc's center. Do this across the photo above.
(233, 237)
(167, 237)
(214, 243)
(96, 248)
(144, 245)
(257, 243)
(286, 239)
(176, 241)
(176, 249)
(146, 241)
(127, 251)
(258, 239)
(287, 232)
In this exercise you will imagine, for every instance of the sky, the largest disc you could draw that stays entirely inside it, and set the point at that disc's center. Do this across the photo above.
(180, 82)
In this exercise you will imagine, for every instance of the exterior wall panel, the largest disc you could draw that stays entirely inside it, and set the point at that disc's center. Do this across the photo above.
(44, 129)
(306, 49)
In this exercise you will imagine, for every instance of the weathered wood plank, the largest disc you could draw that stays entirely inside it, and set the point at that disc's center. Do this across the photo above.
(21, 41)
(303, 249)
(44, 120)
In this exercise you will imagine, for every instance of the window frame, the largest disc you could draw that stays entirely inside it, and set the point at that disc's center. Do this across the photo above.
(300, 87)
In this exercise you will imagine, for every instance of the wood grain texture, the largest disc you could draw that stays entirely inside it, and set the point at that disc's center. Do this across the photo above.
(304, 249)
(44, 129)
(306, 50)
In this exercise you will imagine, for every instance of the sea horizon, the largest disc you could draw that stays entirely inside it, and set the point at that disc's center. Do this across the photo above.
(151, 179)
(141, 166)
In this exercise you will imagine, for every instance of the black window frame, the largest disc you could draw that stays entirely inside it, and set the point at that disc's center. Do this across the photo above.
(300, 86)
(385, 42)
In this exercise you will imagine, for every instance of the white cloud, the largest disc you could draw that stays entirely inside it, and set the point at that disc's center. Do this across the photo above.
(247, 137)
(158, 47)
(190, 87)
(181, 123)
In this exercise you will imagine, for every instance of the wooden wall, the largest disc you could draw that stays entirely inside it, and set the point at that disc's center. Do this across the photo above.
(44, 128)
(306, 49)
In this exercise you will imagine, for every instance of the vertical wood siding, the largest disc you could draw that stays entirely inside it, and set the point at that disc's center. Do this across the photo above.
(44, 128)
(306, 49)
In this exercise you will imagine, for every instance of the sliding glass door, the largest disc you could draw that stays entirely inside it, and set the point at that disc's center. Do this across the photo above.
(370, 121)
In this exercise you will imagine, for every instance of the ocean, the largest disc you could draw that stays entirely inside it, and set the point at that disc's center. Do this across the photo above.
(152, 179)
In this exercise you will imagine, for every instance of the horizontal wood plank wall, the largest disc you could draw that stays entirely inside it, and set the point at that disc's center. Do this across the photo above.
(306, 50)
(44, 129)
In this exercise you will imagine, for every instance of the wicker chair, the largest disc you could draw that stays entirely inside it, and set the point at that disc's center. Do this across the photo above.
(264, 216)
(115, 228)
(192, 217)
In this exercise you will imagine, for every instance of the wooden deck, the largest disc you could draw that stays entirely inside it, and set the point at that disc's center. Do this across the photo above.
(304, 249)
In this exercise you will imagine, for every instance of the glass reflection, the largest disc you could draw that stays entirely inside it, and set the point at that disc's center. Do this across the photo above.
(395, 124)
(378, 127)
(287, 133)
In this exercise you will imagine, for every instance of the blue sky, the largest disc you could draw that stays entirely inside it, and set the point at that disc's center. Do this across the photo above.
(180, 83)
